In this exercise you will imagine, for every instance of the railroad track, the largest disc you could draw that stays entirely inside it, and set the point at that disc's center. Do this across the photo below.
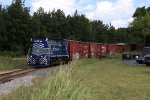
(5, 77)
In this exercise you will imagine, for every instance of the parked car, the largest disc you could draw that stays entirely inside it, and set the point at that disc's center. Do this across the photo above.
(147, 59)
(144, 60)
(140, 60)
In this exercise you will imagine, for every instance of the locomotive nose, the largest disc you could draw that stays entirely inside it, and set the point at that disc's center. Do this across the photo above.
(35, 60)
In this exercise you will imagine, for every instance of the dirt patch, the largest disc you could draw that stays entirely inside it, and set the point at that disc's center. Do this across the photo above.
(132, 62)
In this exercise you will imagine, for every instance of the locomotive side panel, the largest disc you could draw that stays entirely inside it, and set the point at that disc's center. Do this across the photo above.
(45, 52)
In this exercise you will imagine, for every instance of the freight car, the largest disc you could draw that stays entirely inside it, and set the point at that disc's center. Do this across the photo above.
(73, 49)
(94, 50)
(114, 48)
(45, 52)
(145, 51)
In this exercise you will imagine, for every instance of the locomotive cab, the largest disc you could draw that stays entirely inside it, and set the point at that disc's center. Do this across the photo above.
(45, 52)
(38, 54)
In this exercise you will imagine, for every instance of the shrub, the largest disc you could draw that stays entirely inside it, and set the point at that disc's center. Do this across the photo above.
(61, 85)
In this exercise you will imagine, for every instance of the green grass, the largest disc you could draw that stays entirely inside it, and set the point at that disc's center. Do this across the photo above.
(9, 63)
(90, 79)
(12, 53)
(112, 80)
(61, 85)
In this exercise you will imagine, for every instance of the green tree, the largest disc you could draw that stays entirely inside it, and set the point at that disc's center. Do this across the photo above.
(2, 29)
(100, 31)
(38, 28)
(141, 26)
(18, 26)
(139, 13)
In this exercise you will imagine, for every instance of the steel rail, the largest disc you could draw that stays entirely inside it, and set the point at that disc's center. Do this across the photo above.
(5, 77)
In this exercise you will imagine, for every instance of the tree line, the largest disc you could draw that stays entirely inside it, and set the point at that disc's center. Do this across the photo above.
(17, 27)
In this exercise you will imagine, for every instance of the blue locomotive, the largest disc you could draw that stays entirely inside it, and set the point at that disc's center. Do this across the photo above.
(45, 52)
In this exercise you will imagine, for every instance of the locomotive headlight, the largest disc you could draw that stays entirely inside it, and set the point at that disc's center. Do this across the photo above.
(41, 56)
(31, 56)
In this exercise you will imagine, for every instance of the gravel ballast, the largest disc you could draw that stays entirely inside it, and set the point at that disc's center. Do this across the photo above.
(132, 63)
(25, 81)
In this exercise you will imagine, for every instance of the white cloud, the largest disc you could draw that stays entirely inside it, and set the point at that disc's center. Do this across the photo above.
(5, 2)
(88, 8)
(68, 6)
(119, 23)
(84, 1)
(116, 13)
(104, 7)
(130, 20)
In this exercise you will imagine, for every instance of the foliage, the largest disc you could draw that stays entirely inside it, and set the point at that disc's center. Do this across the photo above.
(113, 80)
(141, 24)
(9, 63)
(105, 79)
(62, 85)
(17, 27)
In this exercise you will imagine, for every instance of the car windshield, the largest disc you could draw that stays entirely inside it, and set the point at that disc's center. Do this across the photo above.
(147, 55)
(40, 51)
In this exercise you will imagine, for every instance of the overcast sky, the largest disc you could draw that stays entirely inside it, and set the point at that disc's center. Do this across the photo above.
(117, 12)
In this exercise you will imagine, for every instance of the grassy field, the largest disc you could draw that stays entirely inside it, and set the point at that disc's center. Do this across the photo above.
(112, 80)
(60, 85)
(91, 79)
(9, 63)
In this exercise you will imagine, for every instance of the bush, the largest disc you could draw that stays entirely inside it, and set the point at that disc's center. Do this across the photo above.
(11, 53)
(62, 85)
(9, 63)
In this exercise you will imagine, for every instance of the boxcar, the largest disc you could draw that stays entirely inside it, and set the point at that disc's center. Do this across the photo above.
(93, 50)
(145, 51)
(74, 49)
(118, 48)
(103, 50)
(114, 48)
(111, 48)
(98, 50)
(84, 50)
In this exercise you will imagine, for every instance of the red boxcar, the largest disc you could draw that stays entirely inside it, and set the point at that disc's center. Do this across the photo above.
(73, 48)
(95, 50)
(111, 48)
(103, 50)
(98, 50)
(84, 50)
(145, 51)
(114, 48)
(92, 50)
(99, 46)
(119, 48)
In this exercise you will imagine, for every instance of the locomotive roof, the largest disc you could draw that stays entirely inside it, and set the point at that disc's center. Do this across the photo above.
(43, 39)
